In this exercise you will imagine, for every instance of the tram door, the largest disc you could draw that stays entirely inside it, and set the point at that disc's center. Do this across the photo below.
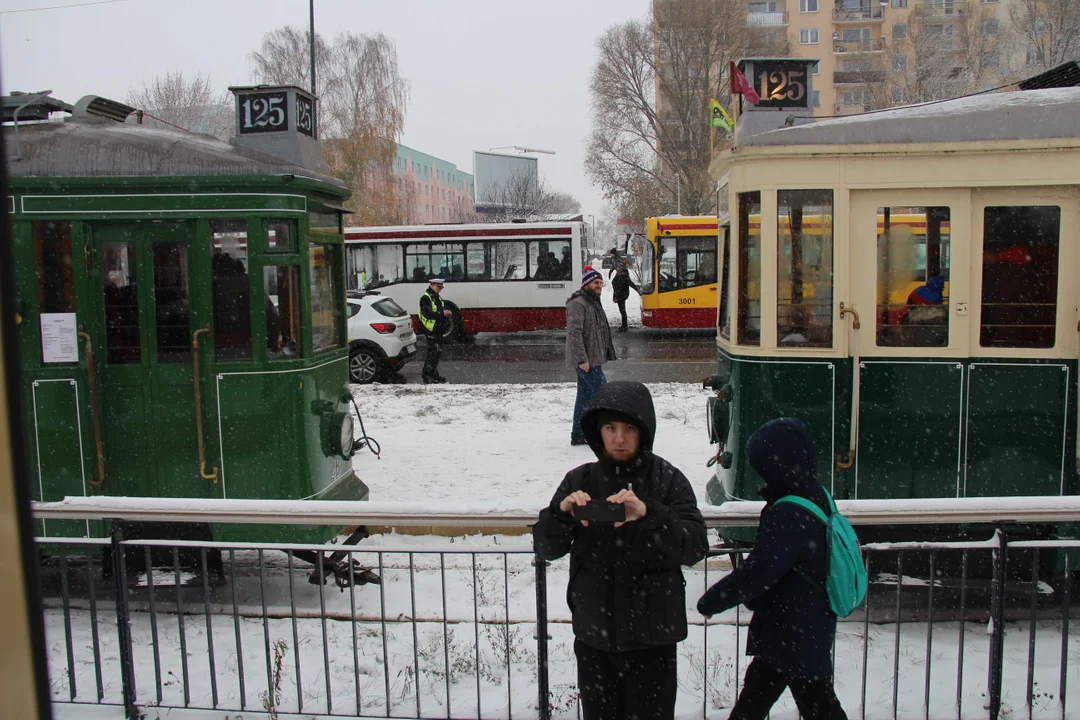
(913, 342)
(141, 281)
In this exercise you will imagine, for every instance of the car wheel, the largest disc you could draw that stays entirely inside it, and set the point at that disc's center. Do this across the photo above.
(363, 366)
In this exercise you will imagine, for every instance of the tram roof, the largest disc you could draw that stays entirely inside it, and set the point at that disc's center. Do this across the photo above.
(92, 147)
(1024, 115)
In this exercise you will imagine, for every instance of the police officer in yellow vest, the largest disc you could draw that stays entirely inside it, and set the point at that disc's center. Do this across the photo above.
(434, 321)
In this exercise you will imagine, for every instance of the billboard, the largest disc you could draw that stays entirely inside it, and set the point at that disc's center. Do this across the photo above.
(494, 172)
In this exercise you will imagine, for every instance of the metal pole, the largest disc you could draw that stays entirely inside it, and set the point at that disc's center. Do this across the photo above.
(311, 40)
(127, 662)
(997, 619)
(678, 194)
(542, 639)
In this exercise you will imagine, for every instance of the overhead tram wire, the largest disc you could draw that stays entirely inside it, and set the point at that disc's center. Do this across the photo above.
(62, 7)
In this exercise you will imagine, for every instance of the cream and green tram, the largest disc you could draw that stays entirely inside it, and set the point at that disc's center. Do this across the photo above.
(906, 282)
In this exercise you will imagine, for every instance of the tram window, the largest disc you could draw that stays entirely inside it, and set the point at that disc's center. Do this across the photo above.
(804, 268)
(53, 267)
(280, 236)
(172, 307)
(508, 260)
(1020, 276)
(327, 308)
(231, 293)
(122, 341)
(324, 222)
(725, 308)
(913, 251)
(549, 260)
(749, 309)
(281, 289)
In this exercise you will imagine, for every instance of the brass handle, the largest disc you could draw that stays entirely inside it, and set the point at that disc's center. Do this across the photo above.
(842, 464)
(850, 310)
(91, 371)
(198, 407)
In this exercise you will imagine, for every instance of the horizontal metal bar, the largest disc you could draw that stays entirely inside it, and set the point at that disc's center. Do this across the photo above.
(1049, 509)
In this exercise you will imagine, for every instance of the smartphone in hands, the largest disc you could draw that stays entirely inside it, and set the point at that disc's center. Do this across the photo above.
(601, 511)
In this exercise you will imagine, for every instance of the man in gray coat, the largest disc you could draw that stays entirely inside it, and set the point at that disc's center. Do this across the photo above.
(588, 343)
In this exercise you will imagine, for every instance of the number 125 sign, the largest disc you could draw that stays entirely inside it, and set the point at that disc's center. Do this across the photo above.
(264, 112)
(781, 85)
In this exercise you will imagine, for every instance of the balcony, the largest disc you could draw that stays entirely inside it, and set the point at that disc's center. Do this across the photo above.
(858, 15)
(943, 9)
(858, 77)
(767, 19)
(869, 45)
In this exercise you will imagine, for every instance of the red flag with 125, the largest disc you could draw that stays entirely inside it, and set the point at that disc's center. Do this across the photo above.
(741, 86)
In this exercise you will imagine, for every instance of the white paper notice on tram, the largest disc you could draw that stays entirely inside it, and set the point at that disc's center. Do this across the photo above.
(59, 338)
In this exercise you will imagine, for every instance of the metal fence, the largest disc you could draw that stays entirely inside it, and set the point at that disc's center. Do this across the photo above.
(477, 628)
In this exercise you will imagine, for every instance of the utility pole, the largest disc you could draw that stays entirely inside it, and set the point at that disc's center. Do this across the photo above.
(311, 40)
(678, 190)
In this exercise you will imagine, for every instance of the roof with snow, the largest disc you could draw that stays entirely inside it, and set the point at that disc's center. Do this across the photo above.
(1026, 115)
(91, 147)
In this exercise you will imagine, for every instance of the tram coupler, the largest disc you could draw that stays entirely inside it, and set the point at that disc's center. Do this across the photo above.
(340, 565)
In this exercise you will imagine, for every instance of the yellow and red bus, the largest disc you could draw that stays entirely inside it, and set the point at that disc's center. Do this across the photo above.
(678, 271)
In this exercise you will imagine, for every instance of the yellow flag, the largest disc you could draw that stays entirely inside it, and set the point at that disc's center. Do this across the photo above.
(718, 116)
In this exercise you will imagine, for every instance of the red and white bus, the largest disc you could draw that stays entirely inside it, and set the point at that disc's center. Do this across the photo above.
(500, 277)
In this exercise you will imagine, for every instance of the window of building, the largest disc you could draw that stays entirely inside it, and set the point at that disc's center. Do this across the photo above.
(815, 98)
(230, 289)
(1034, 55)
(804, 223)
(900, 31)
(856, 35)
(991, 26)
(1020, 276)
(1042, 24)
(808, 6)
(854, 97)
(913, 250)
(808, 37)
(987, 2)
(327, 306)
(281, 288)
(899, 3)
(817, 69)
(899, 63)
(749, 306)
(898, 96)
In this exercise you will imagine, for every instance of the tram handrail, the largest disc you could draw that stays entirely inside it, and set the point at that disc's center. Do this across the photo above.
(198, 406)
(95, 416)
(983, 511)
(855, 326)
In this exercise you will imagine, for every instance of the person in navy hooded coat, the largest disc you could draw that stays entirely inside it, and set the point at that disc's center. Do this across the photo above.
(782, 580)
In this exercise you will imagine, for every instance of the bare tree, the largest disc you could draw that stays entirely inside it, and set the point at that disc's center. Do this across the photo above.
(1048, 29)
(651, 86)
(190, 103)
(362, 104)
(523, 196)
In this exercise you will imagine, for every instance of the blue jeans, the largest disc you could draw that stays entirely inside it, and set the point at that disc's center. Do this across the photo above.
(587, 383)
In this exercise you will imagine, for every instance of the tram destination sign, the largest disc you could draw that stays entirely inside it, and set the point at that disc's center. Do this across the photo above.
(781, 83)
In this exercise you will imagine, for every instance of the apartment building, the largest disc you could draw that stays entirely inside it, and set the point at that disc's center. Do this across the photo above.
(878, 53)
(431, 190)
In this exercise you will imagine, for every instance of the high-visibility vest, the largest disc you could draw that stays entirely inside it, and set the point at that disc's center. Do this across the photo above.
(436, 308)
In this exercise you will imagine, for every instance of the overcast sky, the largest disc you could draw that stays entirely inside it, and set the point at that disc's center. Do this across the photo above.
(483, 73)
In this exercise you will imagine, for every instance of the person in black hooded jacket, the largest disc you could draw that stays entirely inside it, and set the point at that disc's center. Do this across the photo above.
(626, 591)
(782, 580)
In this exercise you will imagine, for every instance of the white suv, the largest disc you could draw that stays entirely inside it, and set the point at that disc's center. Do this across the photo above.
(381, 337)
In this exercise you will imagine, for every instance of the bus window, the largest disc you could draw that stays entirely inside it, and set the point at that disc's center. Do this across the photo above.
(442, 260)
(749, 308)
(476, 261)
(804, 268)
(281, 288)
(913, 276)
(549, 260)
(327, 306)
(508, 260)
(374, 266)
(231, 294)
(1020, 276)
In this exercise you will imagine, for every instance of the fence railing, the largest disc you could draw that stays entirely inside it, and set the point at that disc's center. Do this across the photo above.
(477, 627)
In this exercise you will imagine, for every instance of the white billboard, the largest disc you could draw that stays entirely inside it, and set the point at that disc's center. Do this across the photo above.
(494, 172)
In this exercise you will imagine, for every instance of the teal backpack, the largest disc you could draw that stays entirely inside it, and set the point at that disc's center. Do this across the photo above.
(845, 572)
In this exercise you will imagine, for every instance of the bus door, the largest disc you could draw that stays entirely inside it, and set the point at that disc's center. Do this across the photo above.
(141, 281)
(906, 392)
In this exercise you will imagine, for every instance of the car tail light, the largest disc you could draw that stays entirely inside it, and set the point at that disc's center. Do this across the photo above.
(384, 328)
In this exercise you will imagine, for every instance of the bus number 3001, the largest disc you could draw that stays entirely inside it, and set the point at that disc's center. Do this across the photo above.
(688, 301)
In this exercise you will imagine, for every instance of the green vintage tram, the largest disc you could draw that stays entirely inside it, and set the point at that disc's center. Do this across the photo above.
(181, 308)
(906, 281)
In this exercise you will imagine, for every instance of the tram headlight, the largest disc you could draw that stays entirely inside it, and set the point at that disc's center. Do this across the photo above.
(341, 432)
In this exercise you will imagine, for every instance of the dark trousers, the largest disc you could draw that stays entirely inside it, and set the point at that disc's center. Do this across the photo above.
(587, 384)
(622, 311)
(763, 686)
(635, 685)
(431, 359)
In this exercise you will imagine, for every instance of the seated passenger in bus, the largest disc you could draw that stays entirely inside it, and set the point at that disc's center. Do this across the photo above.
(419, 274)
(457, 273)
(564, 265)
